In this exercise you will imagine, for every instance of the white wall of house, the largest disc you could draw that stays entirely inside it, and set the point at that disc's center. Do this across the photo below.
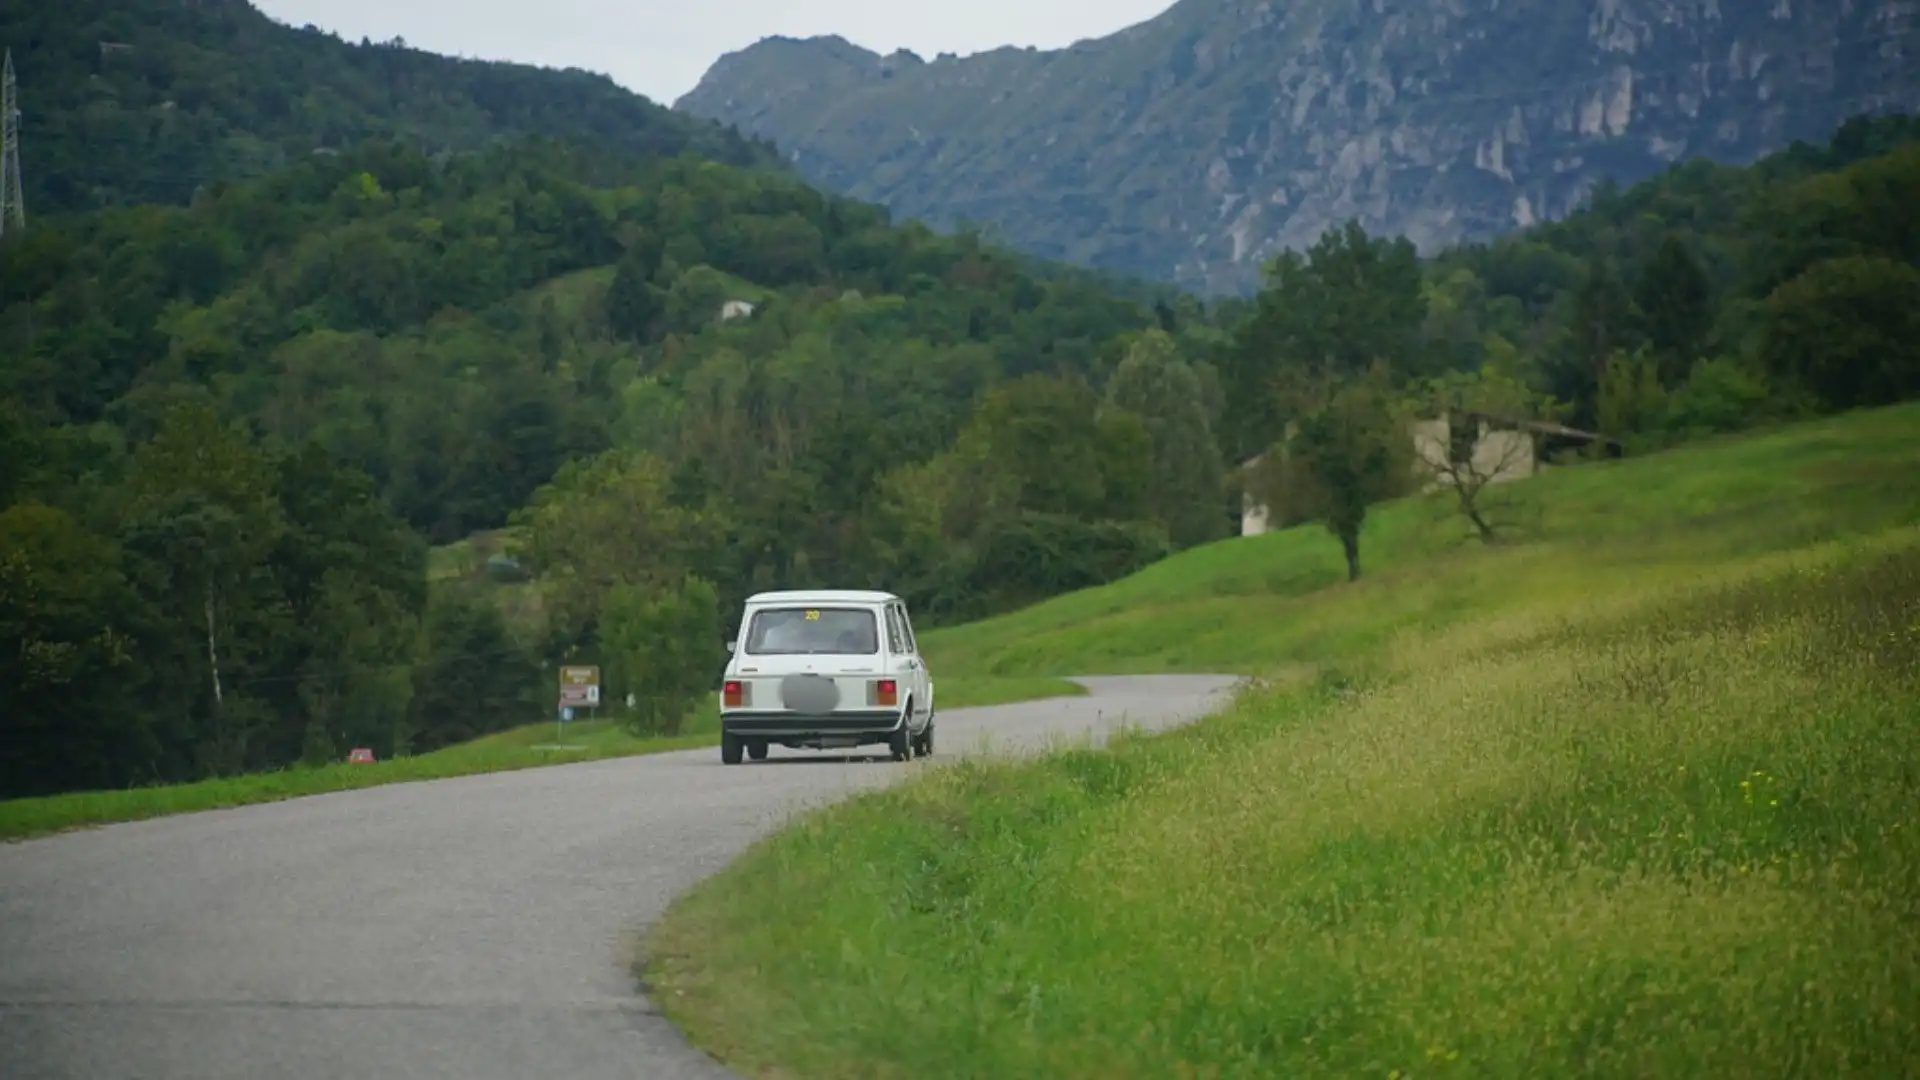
(1499, 456)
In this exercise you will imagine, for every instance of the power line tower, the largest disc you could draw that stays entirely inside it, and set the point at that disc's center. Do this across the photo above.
(13, 207)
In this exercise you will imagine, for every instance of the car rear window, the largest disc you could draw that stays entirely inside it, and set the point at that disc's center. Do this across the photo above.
(798, 630)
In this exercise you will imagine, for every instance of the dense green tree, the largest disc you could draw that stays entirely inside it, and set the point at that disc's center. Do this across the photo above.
(1346, 449)
(1848, 330)
(663, 646)
(70, 673)
(472, 677)
(203, 518)
(1155, 384)
(1675, 302)
(1350, 302)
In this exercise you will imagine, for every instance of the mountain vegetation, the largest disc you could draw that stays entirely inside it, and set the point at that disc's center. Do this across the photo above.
(234, 428)
(1197, 145)
(244, 433)
(129, 101)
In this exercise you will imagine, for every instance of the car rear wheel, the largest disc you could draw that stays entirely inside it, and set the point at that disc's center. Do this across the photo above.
(730, 748)
(901, 742)
(757, 749)
(926, 739)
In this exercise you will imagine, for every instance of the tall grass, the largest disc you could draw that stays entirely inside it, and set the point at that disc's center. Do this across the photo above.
(1637, 799)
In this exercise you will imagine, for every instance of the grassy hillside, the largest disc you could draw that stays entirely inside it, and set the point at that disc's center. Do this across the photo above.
(1634, 798)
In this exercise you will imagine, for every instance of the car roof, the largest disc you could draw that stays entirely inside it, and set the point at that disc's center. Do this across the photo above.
(823, 596)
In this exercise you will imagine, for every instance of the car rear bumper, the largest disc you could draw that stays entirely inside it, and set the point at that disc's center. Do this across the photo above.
(748, 722)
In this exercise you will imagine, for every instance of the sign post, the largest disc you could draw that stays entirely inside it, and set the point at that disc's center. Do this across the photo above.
(579, 685)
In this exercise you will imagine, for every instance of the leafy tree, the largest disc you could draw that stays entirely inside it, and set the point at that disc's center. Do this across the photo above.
(1675, 301)
(204, 518)
(1722, 394)
(1155, 384)
(1352, 301)
(1598, 326)
(1631, 400)
(606, 522)
(663, 646)
(634, 304)
(1347, 449)
(473, 678)
(70, 675)
(1848, 329)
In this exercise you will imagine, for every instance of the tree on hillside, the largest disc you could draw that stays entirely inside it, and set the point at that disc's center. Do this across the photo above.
(70, 670)
(1675, 302)
(1350, 302)
(1346, 449)
(603, 523)
(634, 303)
(1159, 387)
(1848, 331)
(1485, 413)
(1599, 323)
(662, 645)
(203, 518)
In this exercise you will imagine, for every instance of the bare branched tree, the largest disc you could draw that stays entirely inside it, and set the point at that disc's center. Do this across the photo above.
(1477, 434)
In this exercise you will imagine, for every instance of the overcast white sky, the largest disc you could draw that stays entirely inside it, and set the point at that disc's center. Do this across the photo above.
(662, 47)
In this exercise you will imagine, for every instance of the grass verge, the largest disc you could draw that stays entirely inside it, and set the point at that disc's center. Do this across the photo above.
(521, 748)
(1638, 803)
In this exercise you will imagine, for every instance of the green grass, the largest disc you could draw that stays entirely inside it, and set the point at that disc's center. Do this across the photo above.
(1636, 798)
(520, 748)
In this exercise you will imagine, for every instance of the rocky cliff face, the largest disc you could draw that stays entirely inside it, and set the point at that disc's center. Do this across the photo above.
(1194, 146)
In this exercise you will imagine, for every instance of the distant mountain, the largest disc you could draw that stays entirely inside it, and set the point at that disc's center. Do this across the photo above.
(148, 100)
(1194, 146)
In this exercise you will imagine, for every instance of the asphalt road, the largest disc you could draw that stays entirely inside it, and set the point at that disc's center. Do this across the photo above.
(471, 928)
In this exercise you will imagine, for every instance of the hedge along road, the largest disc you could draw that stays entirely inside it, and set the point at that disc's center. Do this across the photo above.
(476, 927)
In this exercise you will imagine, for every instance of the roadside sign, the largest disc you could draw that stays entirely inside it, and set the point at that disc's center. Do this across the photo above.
(360, 755)
(579, 685)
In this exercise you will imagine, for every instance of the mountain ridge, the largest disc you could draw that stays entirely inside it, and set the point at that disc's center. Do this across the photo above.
(1194, 145)
(127, 101)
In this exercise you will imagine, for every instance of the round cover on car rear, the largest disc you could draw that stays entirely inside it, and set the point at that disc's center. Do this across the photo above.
(809, 693)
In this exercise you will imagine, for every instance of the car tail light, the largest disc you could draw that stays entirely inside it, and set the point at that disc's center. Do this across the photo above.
(732, 694)
(886, 692)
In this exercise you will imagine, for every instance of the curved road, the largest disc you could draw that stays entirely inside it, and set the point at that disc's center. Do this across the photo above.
(470, 928)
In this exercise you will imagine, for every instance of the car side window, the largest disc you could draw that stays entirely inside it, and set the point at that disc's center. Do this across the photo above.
(896, 639)
(906, 627)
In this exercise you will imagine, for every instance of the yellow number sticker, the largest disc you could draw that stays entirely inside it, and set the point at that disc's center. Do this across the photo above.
(813, 616)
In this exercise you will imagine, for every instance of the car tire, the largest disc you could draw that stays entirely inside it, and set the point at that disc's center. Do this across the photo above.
(730, 748)
(901, 742)
(757, 749)
(926, 739)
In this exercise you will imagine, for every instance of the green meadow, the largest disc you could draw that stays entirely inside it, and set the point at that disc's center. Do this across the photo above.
(1635, 794)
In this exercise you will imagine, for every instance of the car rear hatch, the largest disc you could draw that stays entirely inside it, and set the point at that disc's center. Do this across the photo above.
(814, 685)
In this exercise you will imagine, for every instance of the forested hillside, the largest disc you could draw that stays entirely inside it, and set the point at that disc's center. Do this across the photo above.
(148, 100)
(233, 427)
(1707, 300)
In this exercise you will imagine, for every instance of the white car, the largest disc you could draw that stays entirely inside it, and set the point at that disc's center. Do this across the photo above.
(825, 669)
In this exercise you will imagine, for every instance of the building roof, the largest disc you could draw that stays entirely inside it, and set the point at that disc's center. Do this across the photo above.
(823, 596)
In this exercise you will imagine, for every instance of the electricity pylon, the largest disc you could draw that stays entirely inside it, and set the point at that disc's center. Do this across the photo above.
(13, 207)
